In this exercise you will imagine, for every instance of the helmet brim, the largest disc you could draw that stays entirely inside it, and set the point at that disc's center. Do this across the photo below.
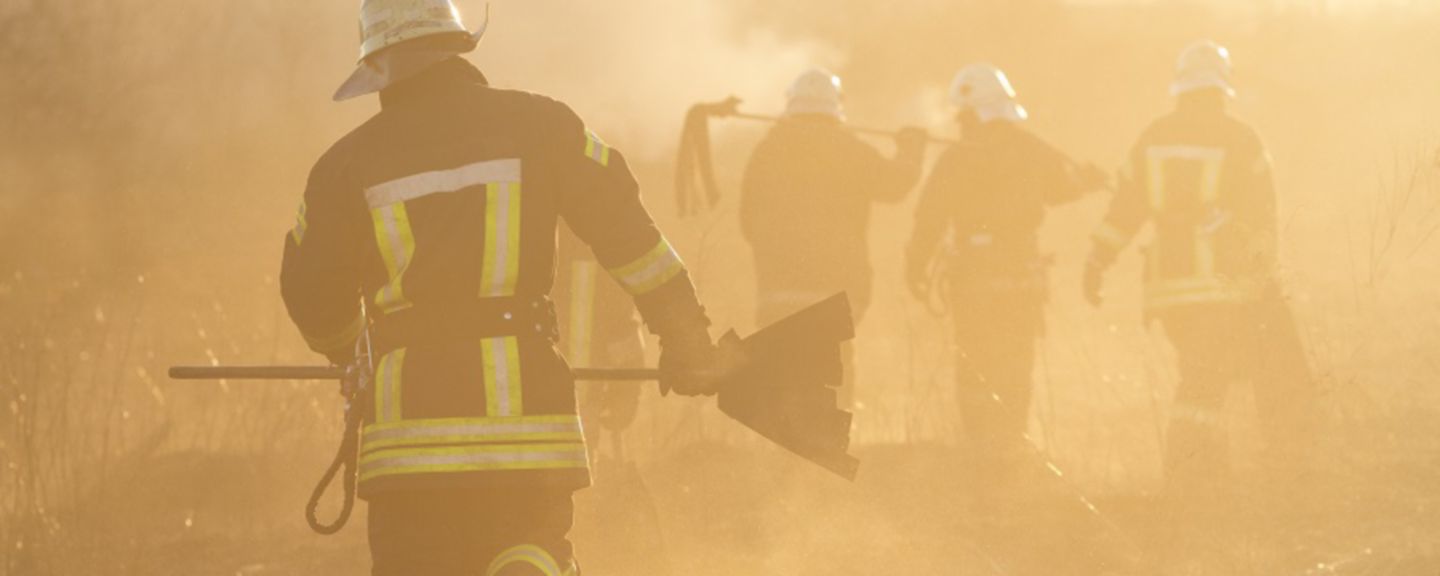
(1202, 82)
(401, 61)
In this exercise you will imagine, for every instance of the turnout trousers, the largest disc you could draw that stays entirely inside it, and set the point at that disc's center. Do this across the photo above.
(995, 338)
(1222, 345)
(517, 531)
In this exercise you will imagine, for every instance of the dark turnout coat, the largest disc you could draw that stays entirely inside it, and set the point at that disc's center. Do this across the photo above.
(440, 214)
(1203, 179)
(805, 209)
(989, 195)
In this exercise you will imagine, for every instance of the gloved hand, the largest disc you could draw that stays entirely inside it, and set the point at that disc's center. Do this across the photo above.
(1093, 282)
(690, 364)
(911, 138)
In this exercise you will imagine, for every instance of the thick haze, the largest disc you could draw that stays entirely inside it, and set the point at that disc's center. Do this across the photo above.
(152, 155)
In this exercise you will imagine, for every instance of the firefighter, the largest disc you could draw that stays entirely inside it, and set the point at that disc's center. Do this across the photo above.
(599, 329)
(1203, 179)
(434, 224)
(805, 204)
(989, 195)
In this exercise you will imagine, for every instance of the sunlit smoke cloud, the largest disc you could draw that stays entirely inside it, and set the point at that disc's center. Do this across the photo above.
(632, 68)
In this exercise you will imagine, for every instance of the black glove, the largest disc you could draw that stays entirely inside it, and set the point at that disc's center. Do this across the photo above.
(1093, 282)
(693, 366)
(689, 364)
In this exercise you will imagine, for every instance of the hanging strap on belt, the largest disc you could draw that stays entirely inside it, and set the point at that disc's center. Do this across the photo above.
(353, 387)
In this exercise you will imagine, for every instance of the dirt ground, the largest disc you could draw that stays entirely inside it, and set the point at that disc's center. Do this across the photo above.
(1365, 505)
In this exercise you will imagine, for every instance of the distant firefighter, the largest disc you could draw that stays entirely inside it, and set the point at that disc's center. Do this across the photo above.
(988, 195)
(440, 215)
(805, 204)
(1203, 179)
(599, 328)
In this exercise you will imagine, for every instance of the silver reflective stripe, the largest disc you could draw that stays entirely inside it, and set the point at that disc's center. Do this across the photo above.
(502, 376)
(528, 554)
(476, 430)
(442, 181)
(387, 375)
(576, 454)
(643, 279)
(502, 239)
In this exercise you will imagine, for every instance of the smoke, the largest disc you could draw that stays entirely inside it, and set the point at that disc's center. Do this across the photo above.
(632, 68)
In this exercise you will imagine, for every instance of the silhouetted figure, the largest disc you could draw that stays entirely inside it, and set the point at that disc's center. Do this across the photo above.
(805, 204)
(988, 196)
(1203, 179)
(440, 213)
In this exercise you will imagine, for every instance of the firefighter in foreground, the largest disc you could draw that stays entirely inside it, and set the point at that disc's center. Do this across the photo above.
(1203, 179)
(440, 214)
(805, 204)
(989, 196)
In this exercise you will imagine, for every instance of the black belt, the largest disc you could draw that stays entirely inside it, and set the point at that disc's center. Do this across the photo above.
(517, 316)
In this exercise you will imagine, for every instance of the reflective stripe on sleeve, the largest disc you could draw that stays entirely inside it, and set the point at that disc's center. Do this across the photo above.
(502, 376)
(595, 149)
(388, 378)
(650, 271)
(325, 343)
(501, 267)
(560, 428)
(447, 459)
(397, 248)
(582, 312)
(528, 554)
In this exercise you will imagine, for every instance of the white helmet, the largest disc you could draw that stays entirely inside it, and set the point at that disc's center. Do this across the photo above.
(985, 90)
(385, 23)
(817, 91)
(1203, 64)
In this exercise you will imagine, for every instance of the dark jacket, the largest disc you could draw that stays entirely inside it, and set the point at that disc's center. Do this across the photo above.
(805, 207)
(990, 194)
(440, 213)
(1203, 178)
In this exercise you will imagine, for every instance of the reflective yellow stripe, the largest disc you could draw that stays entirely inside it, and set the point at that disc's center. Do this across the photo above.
(449, 459)
(1211, 160)
(595, 149)
(325, 343)
(456, 431)
(650, 271)
(1166, 295)
(501, 267)
(1111, 236)
(528, 554)
(298, 233)
(582, 314)
(388, 377)
(502, 376)
(397, 249)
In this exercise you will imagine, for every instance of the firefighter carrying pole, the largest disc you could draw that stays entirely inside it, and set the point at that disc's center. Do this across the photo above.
(440, 214)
